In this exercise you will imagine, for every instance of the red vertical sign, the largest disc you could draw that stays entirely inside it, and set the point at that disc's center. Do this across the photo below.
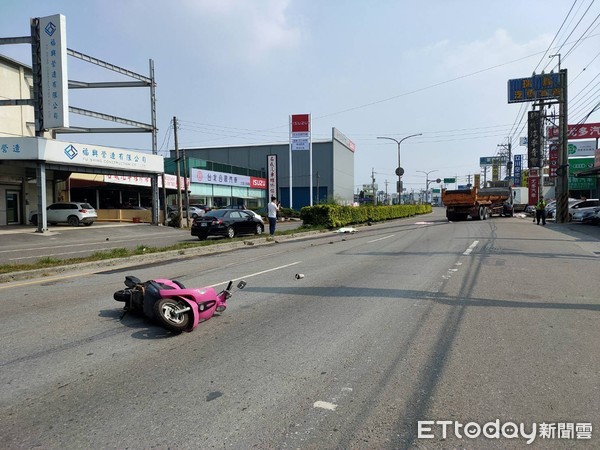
(533, 184)
(300, 123)
(553, 159)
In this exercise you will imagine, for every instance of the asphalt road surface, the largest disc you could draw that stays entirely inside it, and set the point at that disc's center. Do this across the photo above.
(413, 320)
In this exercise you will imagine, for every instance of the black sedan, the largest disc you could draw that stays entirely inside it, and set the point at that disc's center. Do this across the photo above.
(226, 222)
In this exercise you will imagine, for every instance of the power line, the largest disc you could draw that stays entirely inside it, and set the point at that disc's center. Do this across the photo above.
(555, 36)
(572, 31)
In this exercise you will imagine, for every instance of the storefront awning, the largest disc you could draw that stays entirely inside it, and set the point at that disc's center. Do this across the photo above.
(588, 173)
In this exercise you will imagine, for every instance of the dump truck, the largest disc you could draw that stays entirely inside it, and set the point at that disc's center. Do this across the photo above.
(477, 203)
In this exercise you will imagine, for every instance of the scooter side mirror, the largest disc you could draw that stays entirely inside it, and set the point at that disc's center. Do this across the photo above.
(241, 284)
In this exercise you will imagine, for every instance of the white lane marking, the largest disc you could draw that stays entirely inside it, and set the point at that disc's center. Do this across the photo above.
(471, 248)
(81, 274)
(325, 405)
(256, 274)
(381, 239)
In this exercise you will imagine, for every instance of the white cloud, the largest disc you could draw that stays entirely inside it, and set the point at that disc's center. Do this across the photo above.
(250, 30)
(499, 48)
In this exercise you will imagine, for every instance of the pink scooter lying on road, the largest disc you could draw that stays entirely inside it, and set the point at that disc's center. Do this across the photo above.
(171, 304)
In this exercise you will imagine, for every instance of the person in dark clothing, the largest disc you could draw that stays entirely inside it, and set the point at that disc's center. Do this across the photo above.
(540, 211)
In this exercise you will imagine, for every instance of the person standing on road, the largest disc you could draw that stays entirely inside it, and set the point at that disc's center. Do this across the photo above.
(272, 209)
(540, 210)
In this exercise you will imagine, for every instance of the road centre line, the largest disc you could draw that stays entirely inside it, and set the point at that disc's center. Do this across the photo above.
(380, 239)
(80, 274)
(471, 248)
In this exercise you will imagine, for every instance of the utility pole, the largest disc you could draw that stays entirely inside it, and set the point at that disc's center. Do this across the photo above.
(562, 182)
(185, 186)
(386, 193)
(177, 173)
(373, 186)
(318, 179)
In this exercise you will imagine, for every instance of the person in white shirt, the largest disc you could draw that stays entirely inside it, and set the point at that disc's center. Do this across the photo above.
(272, 209)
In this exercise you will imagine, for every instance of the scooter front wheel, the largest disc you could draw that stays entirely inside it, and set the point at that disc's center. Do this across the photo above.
(167, 313)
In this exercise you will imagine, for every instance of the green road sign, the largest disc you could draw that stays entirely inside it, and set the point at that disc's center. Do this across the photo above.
(449, 180)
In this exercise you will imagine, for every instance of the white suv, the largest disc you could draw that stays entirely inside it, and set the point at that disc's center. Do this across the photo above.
(72, 213)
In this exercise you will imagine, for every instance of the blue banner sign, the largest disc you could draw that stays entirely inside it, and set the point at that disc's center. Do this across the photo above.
(537, 87)
(518, 168)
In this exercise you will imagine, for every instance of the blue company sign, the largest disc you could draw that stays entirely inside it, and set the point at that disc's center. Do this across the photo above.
(50, 29)
(71, 152)
(537, 87)
(518, 167)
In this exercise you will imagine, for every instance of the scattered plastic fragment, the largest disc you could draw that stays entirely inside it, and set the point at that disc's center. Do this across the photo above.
(346, 230)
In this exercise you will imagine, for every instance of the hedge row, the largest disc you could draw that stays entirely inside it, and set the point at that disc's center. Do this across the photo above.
(333, 216)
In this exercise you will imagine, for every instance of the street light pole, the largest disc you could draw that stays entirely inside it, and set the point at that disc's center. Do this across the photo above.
(399, 170)
(426, 183)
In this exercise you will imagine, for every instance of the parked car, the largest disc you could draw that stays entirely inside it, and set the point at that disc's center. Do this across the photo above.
(195, 211)
(582, 204)
(551, 207)
(586, 215)
(226, 222)
(255, 214)
(72, 213)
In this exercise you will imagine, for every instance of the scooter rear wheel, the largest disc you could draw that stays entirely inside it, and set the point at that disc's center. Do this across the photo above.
(166, 313)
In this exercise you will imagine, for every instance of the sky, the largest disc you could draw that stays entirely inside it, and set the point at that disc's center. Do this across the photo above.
(232, 71)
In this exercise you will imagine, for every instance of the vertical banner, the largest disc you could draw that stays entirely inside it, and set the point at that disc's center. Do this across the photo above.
(534, 139)
(55, 87)
(517, 169)
(553, 159)
(300, 140)
(477, 180)
(495, 169)
(534, 185)
(271, 176)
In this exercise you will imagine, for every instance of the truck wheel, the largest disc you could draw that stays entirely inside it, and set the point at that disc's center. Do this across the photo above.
(486, 213)
(481, 213)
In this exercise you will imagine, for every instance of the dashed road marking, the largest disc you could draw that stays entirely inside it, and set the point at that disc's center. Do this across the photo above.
(380, 239)
(471, 248)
